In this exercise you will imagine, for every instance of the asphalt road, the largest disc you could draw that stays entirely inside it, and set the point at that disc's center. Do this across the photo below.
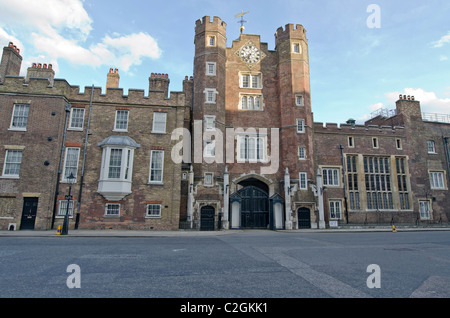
(249, 264)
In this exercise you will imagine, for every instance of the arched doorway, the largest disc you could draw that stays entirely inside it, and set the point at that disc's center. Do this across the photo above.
(304, 218)
(207, 214)
(254, 208)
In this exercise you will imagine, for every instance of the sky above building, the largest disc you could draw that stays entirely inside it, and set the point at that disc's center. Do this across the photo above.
(363, 54)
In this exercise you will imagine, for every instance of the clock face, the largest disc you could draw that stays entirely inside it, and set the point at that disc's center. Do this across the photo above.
(250, 54)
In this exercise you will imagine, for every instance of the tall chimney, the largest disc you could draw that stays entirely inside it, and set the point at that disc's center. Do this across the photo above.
(112, 78)
(11, 62)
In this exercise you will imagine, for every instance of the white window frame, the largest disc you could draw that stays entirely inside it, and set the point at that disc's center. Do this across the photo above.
(296, 45)
(249, 102)
(300, 126)
(211, 41)
(336, 209)
(425, 209)
(300, 102)
(431, 146)
(210, 95)
(255, 153)
(398, 144)
(109, 206)
(209, 149)
(334, 173)
(151, 168)
(303, 181)
(375, 144)
(78, 119)
(75, 167)
(301, 152)
(117, 118)
(254, 80)
(62, 207)
(24, 121)
(211, 68)
(208, 179)
(6, 162)
(152, 207)
(351, 141)
(126, 164)
(437, 180)
(210, 123)
(161, 121)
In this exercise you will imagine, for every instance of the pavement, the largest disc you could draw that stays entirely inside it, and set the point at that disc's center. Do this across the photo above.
(194, 233)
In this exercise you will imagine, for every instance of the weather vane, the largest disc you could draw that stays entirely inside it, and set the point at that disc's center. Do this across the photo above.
(242, 21)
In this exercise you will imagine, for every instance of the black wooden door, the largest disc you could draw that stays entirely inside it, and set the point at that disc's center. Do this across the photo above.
(29, 213)
(304, 218)
(254, 208)
(207, 218)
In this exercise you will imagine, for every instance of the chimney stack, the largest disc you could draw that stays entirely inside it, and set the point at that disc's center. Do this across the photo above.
(39, 70)
(112, 78)
(11, 61)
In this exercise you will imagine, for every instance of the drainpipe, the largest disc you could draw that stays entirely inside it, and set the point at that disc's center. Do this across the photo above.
(345, 183)
(63, 147)
(77, 219)
(447, 155)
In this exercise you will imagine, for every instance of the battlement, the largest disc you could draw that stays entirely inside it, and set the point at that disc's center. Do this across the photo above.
(320, 127)
(60, 87)
(290, 31)
(201, 25)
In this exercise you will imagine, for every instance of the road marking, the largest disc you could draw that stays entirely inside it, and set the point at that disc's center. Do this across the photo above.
(328, 284)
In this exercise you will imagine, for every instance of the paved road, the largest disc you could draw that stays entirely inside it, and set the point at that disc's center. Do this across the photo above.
(245, 264)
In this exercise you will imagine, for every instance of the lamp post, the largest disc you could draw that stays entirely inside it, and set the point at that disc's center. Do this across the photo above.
(65, 228)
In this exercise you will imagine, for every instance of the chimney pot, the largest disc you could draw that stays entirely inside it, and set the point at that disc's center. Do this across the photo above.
(116, 71)
(10, 44)
(50, 66)
(45, 66)
(39, 65)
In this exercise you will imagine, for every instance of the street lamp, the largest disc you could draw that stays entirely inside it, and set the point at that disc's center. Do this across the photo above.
(65, 229)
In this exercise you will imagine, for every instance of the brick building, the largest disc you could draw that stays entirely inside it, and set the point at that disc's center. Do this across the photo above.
(253, 156)
(117, 147)
(267, 164)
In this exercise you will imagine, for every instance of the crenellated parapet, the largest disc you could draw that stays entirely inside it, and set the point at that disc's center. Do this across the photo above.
(60, 87)
(217, 25)
(290, 31)
(353, 129)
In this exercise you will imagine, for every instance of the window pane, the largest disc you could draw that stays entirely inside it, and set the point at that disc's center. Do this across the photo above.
(156, 165)
(71, 163)
(121, 119)
(13, 162)
(20, 116)
(115, 162)
(77, 117)
(159, 122)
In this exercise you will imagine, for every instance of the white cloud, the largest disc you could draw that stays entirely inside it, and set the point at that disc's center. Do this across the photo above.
(444, 39)
(443, 58)
(58, 29)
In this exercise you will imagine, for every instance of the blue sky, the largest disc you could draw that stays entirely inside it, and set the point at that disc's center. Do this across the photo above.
(354, 69)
